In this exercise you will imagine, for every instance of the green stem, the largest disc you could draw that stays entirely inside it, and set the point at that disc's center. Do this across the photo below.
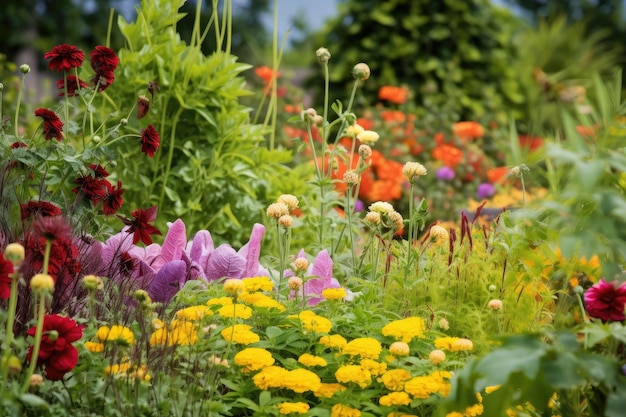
(41, 298)
(17, 106)
(170, 156)
(8, 340)
(348, 109)
(349, 216)
(409, 253)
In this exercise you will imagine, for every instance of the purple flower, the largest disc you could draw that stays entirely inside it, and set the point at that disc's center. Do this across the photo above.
(445, 173)
(485, 190)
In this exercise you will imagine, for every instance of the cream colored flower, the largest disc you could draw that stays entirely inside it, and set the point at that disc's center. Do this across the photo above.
(276, 210)
(361, 71)
(354, 130)
(368, 137)
(285, 221)
(495, 304)
(414, 170)
(291, 201)
(437, 356)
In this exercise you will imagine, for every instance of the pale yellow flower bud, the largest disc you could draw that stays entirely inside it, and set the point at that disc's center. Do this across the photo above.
(368, 137)
(276, 210)
(437, 356)
(92, 282)
(234, 286)
(351, 178)
(294, 283)
(42, 283)
(285, 221)
(301, 264)
(495, 304)
(361, 71)
(372, 218)
(14, 253)
(396, 220)
(365, 152)
(381, 207)
(443, 324)
(354, 130)
(439, 235)
(291, 201)
(322, 54)
(399, 349)
(414, 170)
(35, 380)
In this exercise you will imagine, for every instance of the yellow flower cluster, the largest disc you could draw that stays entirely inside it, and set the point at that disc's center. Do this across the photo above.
(194, 313)
(270, 377)
(260, 300)
(366, 347)
(253, 359)
(220, 301)
(375, 368)
(296, 408)
(180, 332)
(334, 294)
(307, 359)
(328, 390)
(395, 398)
(453, 344)
(424, 386)
(117, 334)
(233, 286)
(238, 311)
(240, 333)
(394, 379)
(253, 284)
(311, 322)
(298, 380)
(342, 410)
(354, 373)
(406, 329)
(333, 341)
(125, 369)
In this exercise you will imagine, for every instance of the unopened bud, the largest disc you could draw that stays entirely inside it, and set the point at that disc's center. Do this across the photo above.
(14, 253)
(97, 139)
(322, 54)
(35, 380)
(285, 221)
(143, 297)
(361, 71)
(124, 122)
(301, 264)
(294, 283)
(42, 283)
(24, 68)
(53, 335)
(92, 282)
(12, 364)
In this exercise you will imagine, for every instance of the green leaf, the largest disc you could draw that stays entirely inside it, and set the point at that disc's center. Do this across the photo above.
(34, 401)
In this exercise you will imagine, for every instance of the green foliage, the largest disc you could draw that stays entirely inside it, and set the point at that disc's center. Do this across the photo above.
(211, 168)
(455, 55)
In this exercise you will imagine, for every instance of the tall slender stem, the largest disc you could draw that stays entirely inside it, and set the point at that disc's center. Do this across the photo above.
(17, 107)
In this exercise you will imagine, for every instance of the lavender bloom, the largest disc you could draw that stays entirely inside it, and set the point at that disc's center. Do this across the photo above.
(485, 190)
(445, 173)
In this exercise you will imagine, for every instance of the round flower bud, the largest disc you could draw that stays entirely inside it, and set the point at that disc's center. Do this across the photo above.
(354, 129)
(112, 163)
(397, 222)
(276, 210)
(301, 264)
(322, 54)
(35, 380)
(361, 71)
(234, 286)
(443, 324)
(14, 253)
(97, 139)
(350, 178)
(92, 282)
(368, 137)
(413, 170)
(294, 283)
(318, 120)
(291, 201)
(439, 235)
(372, 218)
(308, 115)
(492, 288)
(437, 356)
(285, 221)
(143, 297)
(53, 335)
(399, 349)
(24, 68)
(124, 122)
(495, 304)
(516, 172)
(42, 283)
(579, 290)
(12, 363)
(365, 152)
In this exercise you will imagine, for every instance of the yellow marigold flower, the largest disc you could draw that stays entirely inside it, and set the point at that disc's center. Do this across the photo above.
(220, 301)
(333, 341)
(395, 398)
(474, 410)
(253, 359)
(118, 334)
(260, 300)
(270, 377)
(394, 379)
(296, 408)
(311, 322)
(253, 284)
(491, 388)
(354, 373)
(405, 329)
(334, 293)
(140, 373)
(424, 386)
(94, 347)
(194, 313)
(240, 333)
(399, 349)
(453, 344)
(234, 286)
(300, 380)
(159, 337)
(366, 347)
(119, 368)
(183, 333)
(375, 368)
(342, 410)
(240, 311)
(437, 356)
(328, 390)
(307, 359)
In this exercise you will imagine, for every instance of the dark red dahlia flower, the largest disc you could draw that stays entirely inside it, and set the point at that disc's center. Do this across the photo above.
(57, 354)
(6, 269)
(38, 208)
(606, 300)
(113, 199)
(73, 85)
(149, 141)
(103, 59)
(64, 57)
(52, 125)
(140, 225)
(103, 80)
(99, 171)
(94, 188)
(16, 145)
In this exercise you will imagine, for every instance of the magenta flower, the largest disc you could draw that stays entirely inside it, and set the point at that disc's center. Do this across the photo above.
(606, 300)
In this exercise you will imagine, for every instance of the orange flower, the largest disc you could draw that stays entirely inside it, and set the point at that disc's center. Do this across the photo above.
(586, 131)
(496, 175)
(396, 95)
(265, 73)
(530, 142)
(393, 116)
(468, 130)
(450, 155)
(365, 123)
(440, 138)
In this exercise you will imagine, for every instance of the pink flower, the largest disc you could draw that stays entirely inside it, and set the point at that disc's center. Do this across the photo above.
(606, 300)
